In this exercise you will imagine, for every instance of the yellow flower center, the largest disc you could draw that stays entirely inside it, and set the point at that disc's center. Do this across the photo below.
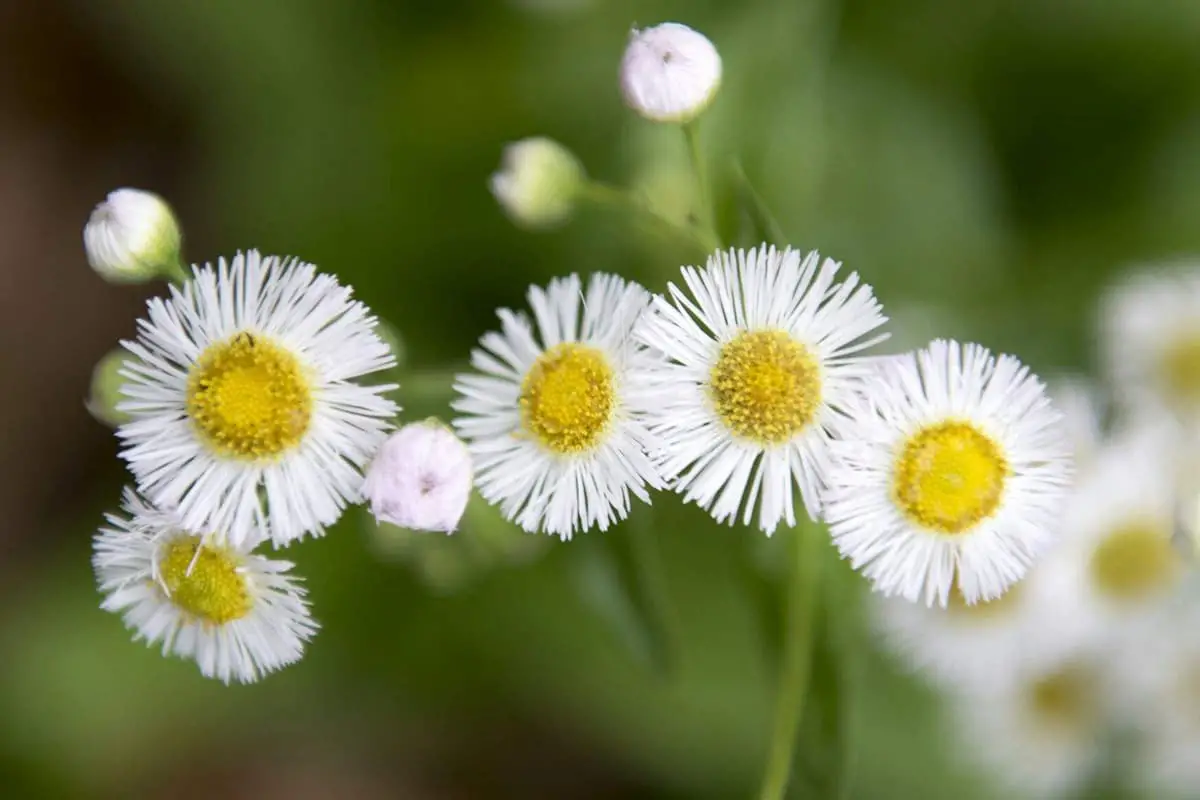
(568, 398)
(1180, 371)
(249, 398)
(1134, 561)
(207, 585)
(1064, 699)
(766, 386)
(949, 476)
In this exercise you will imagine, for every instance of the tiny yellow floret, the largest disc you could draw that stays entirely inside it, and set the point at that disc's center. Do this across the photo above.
(249, 398)
(568, 398)
(766, 386)
(949, 476)
(207, 585)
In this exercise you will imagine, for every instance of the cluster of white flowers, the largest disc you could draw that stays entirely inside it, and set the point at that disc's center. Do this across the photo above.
(746, 387)
(1097, 649)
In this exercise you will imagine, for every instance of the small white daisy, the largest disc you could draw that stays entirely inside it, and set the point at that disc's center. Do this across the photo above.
(552, 421)
(238, 615)
(1120, 525)
(952, 466)
(758, 357)
(1035, 623)
(245, 416)
(1150, 341)
(1039, 732)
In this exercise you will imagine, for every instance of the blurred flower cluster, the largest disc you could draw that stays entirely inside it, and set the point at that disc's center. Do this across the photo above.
(1087, 672)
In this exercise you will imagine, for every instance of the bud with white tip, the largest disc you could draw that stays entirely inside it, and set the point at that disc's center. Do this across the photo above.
(105, 395)
(670, 73)
(421, 478)
(133, 237)
(538, 182)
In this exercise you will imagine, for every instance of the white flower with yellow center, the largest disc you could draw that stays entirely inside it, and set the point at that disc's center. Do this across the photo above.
(757, 359)
(239, 616)
(1121, 525)
(245, 416)
(951, 466)
(552, 420)
(1150, 340)
(1040, 732)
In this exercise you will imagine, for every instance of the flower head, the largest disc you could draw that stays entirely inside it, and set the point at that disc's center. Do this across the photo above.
(538, 183)
(105, 394)
(421, 478)
(246, 416)
(240, 616)
(132, 237)
(951, 467)
(552, 421)
(669, 73)
(757, 359)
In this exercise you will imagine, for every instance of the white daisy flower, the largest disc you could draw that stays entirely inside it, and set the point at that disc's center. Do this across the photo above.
(758, 357)
(1150, 341)
(1120, 526)
(552, 420)
(239, 616)
(1039, 732)
(245, 416)
(951, 466)
(1036, 623)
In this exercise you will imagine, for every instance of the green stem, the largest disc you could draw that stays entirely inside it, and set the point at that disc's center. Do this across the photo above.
(648, 563)
(802, 578)
(436, 385)
(177, 273)
(605, 195)
(708, 221)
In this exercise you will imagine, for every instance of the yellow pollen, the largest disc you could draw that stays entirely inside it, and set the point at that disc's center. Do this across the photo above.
(982, 609)
(1065, 698)
(568, 398)
(207, 586)
(1180, 371)
(949, 476)
(766, 386)
(1135, 561)
(249, 398)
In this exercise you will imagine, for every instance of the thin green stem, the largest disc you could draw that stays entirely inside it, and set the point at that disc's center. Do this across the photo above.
(794, 673)
(610, 196)
(651, 576)
(691, 133)
(177, 273)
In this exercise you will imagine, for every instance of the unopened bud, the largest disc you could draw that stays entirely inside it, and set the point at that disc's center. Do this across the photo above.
(132, 237)
(421, 478)
(670, 73)
(538, 183)
(105, 393)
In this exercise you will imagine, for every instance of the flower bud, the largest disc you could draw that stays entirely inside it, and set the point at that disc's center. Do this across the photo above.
(106, 388)
(132, 237)
(538, 182)
(421, 478)
(669, 73)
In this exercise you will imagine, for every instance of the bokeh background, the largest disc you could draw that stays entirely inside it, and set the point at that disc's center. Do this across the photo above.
(988, 166)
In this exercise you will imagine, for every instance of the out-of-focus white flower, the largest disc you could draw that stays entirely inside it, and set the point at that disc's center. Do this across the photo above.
(421, 478)
(950, 466)
(1150, 339)
(669, 73)
(132, 237)
(238, 615)
(1039, 731)
(1081, 404)
(761, 351)
(538, 182)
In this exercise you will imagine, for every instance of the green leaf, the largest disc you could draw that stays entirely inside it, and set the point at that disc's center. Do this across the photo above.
(619, 576)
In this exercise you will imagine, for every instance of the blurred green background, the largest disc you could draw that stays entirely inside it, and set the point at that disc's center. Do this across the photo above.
(986, 165)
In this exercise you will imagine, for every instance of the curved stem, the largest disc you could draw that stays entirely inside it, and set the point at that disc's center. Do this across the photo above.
(647, 556)
(802, 579)
(603, 194)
